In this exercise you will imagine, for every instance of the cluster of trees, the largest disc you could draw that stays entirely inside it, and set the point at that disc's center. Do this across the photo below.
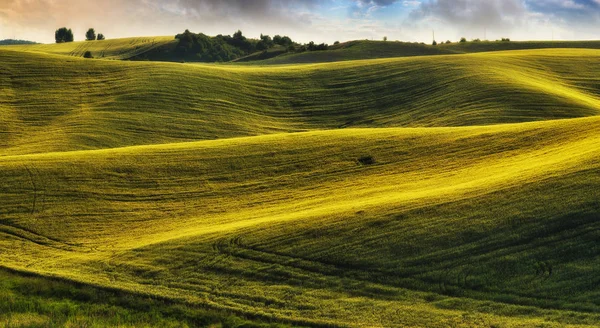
(64, 34)
(221, 48)
(201, 47)
(90, 35)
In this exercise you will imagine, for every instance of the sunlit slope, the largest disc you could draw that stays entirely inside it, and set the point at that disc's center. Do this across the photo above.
(291, 226)
(106, 49)
(50, 103)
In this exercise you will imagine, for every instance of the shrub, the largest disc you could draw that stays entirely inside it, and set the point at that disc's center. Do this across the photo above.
(336, 42)
(476, 40)
(366, 160)
(463, 40)
(88, 54)
(505, 40)
(100, 37)
(448, 42)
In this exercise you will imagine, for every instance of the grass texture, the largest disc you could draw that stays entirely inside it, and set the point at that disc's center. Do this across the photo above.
(106, 49)
(433, 191)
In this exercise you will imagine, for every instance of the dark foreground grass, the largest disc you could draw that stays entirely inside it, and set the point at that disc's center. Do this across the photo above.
(33, 301)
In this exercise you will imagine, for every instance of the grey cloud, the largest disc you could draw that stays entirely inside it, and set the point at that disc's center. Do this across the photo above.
(474, 14)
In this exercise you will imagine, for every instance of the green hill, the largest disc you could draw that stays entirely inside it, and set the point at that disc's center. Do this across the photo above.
(15, 42)
(431, 191)
(102, 104)
(356, 50)
(106, 49)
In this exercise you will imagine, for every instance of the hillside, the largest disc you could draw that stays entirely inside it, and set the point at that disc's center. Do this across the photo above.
(15, 42)
(105, 49)
(356, 50)
(430, 191)
(102, 104)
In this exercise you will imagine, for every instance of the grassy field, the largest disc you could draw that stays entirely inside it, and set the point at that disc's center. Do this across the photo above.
(432, 191)
(106, 49)
(357, 50)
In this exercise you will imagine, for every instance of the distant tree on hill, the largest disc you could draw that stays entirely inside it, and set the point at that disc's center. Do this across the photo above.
(434, 43)
(448, 41)
(336, 42)
(100, 37)
(90, 35)
(265, 43)
(463, 40)
(63, 35)
(316, 47)
(505, 40)
(282, 40)
(385, 38)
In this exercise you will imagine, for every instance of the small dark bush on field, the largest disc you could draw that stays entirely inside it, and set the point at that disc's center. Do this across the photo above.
(88, 54)
(366, 160)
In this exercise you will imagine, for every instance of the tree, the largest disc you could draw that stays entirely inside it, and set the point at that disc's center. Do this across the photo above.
(100, 37)
(434, 43)
(90, 35)
(88, 54)
(385, 38)
(463, 40)
(63, 35)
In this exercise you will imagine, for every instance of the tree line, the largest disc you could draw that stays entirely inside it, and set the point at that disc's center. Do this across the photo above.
(223, 48)
(64, 34)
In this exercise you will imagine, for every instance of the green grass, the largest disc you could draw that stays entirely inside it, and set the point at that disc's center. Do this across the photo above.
(106, 49)
(53, 103)
(357, 50)
(435, 191)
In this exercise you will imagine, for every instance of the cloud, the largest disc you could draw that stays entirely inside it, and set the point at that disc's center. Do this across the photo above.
(305, 20)
(474, 14)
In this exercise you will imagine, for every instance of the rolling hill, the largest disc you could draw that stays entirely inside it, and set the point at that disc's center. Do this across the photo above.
(106, 49)
(431, 191)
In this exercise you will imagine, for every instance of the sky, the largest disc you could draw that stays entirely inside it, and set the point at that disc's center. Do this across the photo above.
(307, 20)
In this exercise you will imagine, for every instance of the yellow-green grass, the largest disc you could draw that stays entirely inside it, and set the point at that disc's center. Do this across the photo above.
(51, 103)
(290, 226)
(107, 49)
(108, 179)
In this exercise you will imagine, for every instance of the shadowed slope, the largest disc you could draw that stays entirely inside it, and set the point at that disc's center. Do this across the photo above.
(357, 50)
(55, 104)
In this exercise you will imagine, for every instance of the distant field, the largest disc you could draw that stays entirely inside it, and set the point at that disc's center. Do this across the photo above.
(106, 49)
(433, 191)
(356, 50)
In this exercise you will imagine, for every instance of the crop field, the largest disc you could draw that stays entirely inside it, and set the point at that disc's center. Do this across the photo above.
(458, 190)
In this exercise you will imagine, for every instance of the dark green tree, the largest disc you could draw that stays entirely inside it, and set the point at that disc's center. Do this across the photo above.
(90, 35)
(100, 36)
(63, 35)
